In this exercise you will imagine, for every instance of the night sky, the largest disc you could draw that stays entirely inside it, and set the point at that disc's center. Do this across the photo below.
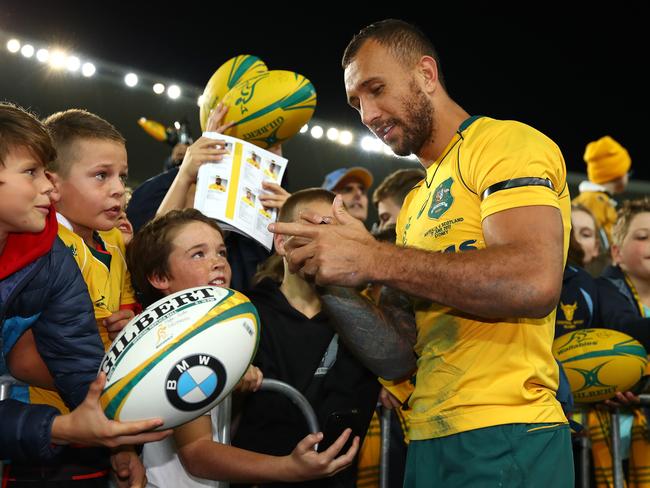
(574, 77)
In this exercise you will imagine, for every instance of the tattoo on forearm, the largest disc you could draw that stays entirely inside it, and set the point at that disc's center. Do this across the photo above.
(382, 337)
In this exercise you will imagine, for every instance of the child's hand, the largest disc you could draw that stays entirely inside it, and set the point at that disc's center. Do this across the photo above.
(128, 470)
(275, 195)
(251, 381)
(306, 464)
(388, 400)
(627, 399)
(87, 424)
(204, 150)
(116, 322)
(216, 117)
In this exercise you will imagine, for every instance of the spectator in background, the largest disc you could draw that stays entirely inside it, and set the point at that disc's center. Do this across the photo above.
(391, 192)
(608, 164)
(353, 185)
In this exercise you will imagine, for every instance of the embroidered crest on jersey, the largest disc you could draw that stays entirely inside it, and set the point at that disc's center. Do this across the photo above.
(442, 199)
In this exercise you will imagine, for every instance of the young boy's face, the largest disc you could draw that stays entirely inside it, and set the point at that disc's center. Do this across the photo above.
(91, 193)
(198, 258)
(24, 193)
(633, 255)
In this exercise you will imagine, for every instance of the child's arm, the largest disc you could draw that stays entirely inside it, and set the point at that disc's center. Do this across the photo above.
(87, 424)
(66, 332)
(205, 458)
(27, 365)
(204, 150)
(36, 432)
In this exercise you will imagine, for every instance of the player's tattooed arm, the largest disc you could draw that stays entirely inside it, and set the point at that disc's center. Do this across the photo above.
(383, 336)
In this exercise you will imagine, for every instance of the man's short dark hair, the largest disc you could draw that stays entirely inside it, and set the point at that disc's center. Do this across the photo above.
(405, 41)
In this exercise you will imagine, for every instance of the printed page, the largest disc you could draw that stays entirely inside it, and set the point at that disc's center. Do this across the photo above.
(229, 190)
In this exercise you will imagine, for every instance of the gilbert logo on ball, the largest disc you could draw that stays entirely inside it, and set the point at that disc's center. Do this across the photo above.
(600, 362)
(181, 356)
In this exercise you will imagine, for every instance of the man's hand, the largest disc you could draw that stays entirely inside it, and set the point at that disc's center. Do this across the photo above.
(117, 321)
(330, 254)
(88, 425)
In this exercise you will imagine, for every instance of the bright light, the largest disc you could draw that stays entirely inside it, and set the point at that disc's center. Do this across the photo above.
(332, 134)
(43, 55)
(27, 50)
(304, 129)
(58, 59)
(413, 157)
(388, 151)
(158, 88)
(369, 143)
(177, 125)
(200, 100)
(73, 63)
(88, 69)
(173, 92)
(345, 137)
(317, 132)
(13, 45)
(131, 79)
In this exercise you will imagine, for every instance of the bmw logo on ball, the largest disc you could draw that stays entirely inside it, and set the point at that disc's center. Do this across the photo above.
(195, 381)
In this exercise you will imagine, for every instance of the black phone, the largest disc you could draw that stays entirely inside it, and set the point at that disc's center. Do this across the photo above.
(336, 424)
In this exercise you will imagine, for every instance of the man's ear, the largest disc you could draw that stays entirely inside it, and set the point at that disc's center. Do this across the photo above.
(278, 242)
(428, 71)
(159, 282)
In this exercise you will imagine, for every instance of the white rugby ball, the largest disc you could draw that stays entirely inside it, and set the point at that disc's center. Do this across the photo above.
(180, 357)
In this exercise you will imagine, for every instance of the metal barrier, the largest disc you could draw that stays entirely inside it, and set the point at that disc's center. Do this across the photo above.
(618, 476)
(297, 398)
(384, 458)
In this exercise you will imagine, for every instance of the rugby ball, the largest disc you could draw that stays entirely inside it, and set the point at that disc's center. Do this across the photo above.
(270, 107)
(180, 357)
(600, 362)
(227, 76)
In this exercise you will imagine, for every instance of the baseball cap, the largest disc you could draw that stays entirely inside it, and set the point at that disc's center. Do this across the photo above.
(335, 177)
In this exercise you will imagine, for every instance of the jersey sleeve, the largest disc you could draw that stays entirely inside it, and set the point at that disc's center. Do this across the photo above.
(515, 166)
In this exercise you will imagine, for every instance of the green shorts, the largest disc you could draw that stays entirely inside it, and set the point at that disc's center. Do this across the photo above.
(512, 455)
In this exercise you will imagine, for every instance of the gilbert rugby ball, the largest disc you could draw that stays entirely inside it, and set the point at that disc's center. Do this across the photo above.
(180, 357)
(600, 362)
(270, 107)
(227, 76)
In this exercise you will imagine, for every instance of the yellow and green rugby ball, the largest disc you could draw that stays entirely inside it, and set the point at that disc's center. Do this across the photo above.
(600, 362)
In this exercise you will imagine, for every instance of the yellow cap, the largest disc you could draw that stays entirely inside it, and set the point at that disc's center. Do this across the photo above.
(606, 160)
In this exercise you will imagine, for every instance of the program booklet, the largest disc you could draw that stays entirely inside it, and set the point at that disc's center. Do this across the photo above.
(228, 190)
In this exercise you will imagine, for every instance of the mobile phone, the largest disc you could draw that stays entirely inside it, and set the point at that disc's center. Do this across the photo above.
(336, 424)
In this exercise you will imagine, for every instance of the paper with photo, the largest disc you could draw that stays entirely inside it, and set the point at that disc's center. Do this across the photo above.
(229, 190)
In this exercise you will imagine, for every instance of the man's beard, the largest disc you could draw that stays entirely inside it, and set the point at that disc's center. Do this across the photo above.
(417, 126)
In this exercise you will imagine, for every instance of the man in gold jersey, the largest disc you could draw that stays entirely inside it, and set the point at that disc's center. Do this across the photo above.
(481, 246)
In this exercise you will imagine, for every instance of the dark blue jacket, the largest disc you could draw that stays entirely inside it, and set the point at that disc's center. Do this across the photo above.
(49, 296)
(618, 307)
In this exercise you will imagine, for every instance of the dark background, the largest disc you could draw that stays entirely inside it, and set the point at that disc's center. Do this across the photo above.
(574, 76)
